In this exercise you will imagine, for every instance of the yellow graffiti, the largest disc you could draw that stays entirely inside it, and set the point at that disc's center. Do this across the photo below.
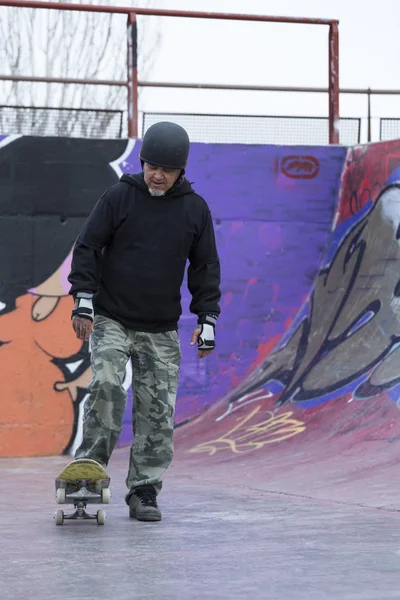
(245, 437)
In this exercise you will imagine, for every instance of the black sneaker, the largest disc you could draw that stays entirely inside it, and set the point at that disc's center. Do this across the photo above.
(143, 504)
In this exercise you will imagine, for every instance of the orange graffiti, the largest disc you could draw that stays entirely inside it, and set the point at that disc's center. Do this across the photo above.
(37, 413)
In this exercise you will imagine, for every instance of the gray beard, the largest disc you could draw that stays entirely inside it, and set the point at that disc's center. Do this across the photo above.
(156, 192)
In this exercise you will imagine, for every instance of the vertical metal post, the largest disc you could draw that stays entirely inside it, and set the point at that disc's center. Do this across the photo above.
(333, 83)
(132, 77)
(369, 114)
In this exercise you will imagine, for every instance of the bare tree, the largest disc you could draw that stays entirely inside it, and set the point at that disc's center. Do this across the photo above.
(69, 44)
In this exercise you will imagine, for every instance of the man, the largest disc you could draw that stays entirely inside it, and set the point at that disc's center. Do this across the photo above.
(127, 270)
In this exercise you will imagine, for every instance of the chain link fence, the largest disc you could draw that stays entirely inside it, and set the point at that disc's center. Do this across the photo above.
(61, 122)
(242, 129)
(389, 129)
(111, 124)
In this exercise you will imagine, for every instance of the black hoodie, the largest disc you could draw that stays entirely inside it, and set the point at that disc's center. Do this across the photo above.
(132, 254)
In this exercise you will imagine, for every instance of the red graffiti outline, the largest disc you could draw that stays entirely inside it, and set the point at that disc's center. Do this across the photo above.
(301, 162)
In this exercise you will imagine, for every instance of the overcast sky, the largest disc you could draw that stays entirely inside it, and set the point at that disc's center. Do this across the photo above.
(277, 54)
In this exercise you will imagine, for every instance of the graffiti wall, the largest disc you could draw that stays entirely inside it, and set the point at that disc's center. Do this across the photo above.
(318, 416)
(273, 209)
(344, 342)
(47, 188)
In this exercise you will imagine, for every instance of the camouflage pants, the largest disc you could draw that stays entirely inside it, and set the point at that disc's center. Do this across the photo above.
(155, 367)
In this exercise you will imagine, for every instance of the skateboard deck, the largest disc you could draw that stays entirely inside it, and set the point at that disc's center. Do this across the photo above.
(83, 468)
(82, 482)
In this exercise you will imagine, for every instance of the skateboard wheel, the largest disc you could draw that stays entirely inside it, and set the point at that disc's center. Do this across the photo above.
(59, 517)
(101, 517)
(105, 496)
(60, 495)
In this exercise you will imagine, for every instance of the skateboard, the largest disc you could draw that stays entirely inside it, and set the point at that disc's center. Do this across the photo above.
(82, 482)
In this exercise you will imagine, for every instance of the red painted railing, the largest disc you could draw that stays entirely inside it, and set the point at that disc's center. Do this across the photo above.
(132, 80)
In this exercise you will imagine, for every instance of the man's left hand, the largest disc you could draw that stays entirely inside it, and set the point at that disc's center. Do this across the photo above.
(203, 335)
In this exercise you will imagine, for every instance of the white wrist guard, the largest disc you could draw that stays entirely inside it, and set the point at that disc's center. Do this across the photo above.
(206, 339)
(84, 306)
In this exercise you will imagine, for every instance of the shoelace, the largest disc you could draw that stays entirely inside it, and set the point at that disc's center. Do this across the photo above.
(147, 497)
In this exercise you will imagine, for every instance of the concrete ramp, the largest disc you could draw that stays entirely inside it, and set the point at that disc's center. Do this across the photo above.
(301, 394)
(273, 209)
(287, 436)
(317, 414)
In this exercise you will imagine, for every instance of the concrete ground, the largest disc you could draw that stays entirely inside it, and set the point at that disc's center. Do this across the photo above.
(215, 541)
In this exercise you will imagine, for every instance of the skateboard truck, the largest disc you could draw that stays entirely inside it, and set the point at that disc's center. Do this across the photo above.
(81, 483)
(80, 498)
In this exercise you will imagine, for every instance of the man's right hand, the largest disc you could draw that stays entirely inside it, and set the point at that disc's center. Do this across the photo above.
(83, 315)
(83, 327)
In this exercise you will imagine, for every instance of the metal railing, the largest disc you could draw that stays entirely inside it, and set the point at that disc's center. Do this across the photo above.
(132, 82)
(368, 92)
